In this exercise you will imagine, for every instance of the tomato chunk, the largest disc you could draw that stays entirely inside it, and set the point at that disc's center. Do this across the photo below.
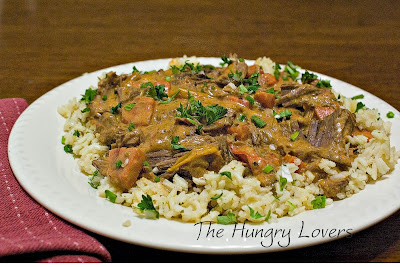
(267, 79)
(141, 113)
(322, 112)
(363, 132)
(267, 100)
(291, 159)
(241, 130)
(242, 102)
(252, 69)
(124, 166)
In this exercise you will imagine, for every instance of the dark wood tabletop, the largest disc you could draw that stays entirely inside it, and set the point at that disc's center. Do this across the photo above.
(46, 43)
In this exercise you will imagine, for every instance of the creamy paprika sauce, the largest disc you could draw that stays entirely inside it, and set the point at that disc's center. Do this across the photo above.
(192, 118)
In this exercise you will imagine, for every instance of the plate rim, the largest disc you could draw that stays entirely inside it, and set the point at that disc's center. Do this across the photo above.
(203, 249)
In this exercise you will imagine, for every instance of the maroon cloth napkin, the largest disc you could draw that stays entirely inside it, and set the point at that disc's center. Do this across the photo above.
(26, 228)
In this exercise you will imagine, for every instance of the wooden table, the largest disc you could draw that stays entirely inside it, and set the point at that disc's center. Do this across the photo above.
(46, 43)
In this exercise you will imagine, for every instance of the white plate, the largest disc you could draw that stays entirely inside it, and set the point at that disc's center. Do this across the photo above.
(52, 178)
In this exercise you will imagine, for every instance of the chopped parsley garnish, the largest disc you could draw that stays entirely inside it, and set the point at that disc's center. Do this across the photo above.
(241, 59)
(242, 89)
(254, 215)
(104, 97)
(308, 77)
(276, 197)
(324, 83)
(319, 202)
(294, 135)
(237, 76)
(68, 148)
(134, 69)
(228, 219)
(147, 164)
(111, 196)
(199, 128)
(258, 122)
(85, 110)
(390, 115)
(291, 69)
(96, 172)
(273, 91)
(167, 78)
(291, 206)
(227, 174)
(357, 97)
(225, 61)
(131, 126)
(157, 179)
(267, 169)
(277, 69)
(282, 182)
(114, 110)
(250, 99)
(217, 196)
(196, 110)
(147, 205)
(63, 140)
(118, 163)
(176, 145)
(284, 114)
(268, 216)
(129, 107)
(89, 95)
(157, 92)
(242, 117)
(76, 133)
(360, 105)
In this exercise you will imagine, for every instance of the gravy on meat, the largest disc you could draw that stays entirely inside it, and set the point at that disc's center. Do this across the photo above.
(196, 118)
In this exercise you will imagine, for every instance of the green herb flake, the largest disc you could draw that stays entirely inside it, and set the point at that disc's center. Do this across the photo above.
(285, 114)
(217, 196)
(319, 202)
(324, 84)
(111, 196)
(104, 97)
(229, 219)
(118, 163)
(128, 107)
(291, 206)
(390, 115)
(114, 110)
(242, 117)
(134, 69)
(147, 205)
(273, 91)
(291, 69)
(63, 140)
(167, 78)
(131, 126)
(225, 60)
(258, 122)
(357, 97)
(250, 99)
(268, 216)
(68, 148)
(76, 133)
(175, 145)
(89, 95)
(282, 182)
(254, 215)
(360, 105)
(294, 135)
(267, 169)
(242, 89)
(241, 59)
(147, 164)
(308, 77)
(85, 110)
(157, 179)
(277, 71)
(277, 198)
(95, 186)
(227, 174)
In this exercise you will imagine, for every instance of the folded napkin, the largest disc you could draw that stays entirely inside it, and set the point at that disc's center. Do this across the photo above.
(27, 230)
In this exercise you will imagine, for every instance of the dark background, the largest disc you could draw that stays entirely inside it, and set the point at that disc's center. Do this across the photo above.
(46, 43)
